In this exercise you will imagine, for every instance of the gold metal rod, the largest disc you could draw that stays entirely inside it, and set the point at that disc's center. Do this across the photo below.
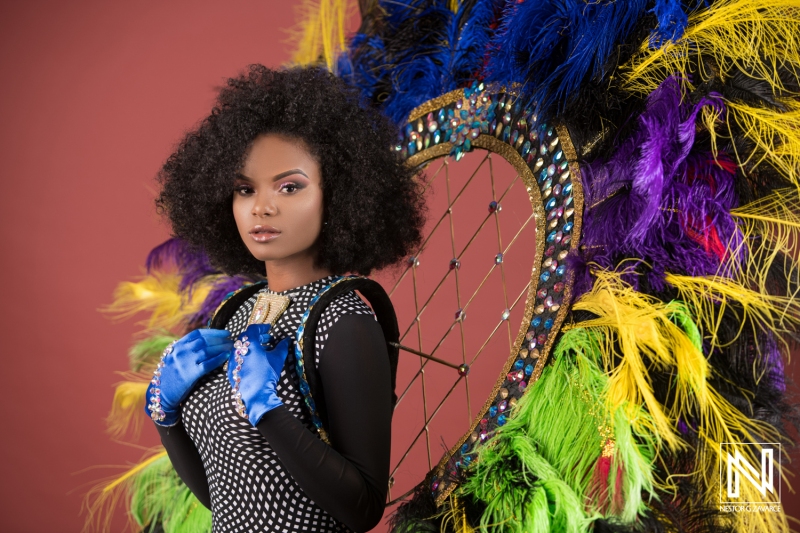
(426, 356)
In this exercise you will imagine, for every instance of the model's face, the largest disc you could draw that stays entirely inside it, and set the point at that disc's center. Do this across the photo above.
(277, 200)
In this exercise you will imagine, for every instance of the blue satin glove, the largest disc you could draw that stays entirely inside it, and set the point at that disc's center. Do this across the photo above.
(254, 371)
(182, 365)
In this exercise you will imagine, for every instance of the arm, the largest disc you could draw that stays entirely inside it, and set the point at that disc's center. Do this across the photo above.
(186, 460)
(350, 479)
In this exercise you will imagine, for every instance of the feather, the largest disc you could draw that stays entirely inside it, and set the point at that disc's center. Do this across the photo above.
(176, 254)
(652, 336)
(144, 355)
(731, 41)
(159, 293)
(551, 47)
(321, 35)
(127, 407)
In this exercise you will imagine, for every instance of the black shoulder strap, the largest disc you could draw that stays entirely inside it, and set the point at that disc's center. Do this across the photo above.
(232, 303)
(384, 311)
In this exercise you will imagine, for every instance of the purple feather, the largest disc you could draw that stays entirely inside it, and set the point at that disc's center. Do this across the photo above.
(216, 296)
(655, 205)
(191, 263)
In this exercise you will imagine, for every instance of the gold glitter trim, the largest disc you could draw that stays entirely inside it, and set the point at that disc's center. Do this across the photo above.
(507, 152)
(429, 154)
(270, 306)
(435, 104)
(448, 98)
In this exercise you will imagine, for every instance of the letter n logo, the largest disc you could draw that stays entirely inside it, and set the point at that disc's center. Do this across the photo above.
(736, 471)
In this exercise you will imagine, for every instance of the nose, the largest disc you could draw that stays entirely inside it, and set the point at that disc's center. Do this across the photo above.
(264, 206)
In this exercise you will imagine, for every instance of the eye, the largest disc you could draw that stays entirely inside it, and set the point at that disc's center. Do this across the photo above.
(289, 187)
(243, 190)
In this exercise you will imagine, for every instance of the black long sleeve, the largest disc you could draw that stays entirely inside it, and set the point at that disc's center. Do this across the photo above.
(186, 460)
(349, 479)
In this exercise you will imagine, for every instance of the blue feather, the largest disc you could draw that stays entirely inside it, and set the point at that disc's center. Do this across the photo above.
(469, 36)
(672, 21)
(552, 47)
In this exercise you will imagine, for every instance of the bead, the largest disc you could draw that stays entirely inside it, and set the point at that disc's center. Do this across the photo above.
(502, 406)
(523, 353)
(512, 402)
(538, 165)
(558, 155)
(551, 203)
(473, 437)
(494, 207)
(558, 287)
(568, 227)
(536, 321)
(534, 354)
(523, 385)
(413, 261)
(484, 422)
(562, 254)
(557, 189)
(526, 148)
(498, 259)
(493, 411)
(561, 270)
(541, 293)
(506, 314)
(548, 323)
(518, 364)
(503, 393)
(550, 250)
(564, 176)
(460, 314)
(463, 370)
(548, 302)
(501, 420)
(539, 309)
(544, 277)
(484, 435)
(528, 369)
(454, 264)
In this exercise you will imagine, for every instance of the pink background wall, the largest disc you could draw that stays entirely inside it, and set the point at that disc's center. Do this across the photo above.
(93, 97)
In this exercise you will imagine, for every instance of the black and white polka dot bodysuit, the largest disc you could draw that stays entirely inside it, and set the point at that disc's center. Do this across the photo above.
(250, 488)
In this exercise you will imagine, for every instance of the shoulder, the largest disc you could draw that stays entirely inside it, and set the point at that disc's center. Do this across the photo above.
(346, 304)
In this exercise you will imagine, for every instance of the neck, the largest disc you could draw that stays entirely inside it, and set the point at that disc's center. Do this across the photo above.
(286, 274)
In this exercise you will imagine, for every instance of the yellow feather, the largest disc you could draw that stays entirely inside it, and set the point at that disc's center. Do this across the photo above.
(158, 293)
(101, 501)
(127, 408)
(455, 518)
(642, 332)
(754, 36)
(775, 134)
(321, 37)
(758, 35)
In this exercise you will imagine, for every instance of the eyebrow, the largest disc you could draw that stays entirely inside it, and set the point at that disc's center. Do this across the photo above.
(277, 176)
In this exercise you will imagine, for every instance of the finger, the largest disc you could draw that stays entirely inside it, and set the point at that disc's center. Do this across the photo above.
(217, 336)
(277, 356)
(213, 351)
(215, 362)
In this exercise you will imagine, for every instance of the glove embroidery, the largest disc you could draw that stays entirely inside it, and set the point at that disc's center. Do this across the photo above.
(241, 346)
(156, 412)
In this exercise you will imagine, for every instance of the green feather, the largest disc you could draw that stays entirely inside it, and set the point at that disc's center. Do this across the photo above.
(157, 495)
(148, 351)
(535, 474)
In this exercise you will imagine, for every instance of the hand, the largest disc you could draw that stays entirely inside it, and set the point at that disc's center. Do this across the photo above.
(254, 372)
(183, 364)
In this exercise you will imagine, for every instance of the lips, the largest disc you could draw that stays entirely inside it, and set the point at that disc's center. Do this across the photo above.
(264, 233)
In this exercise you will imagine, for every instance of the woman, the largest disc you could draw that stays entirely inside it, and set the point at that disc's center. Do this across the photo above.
(291, 178)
